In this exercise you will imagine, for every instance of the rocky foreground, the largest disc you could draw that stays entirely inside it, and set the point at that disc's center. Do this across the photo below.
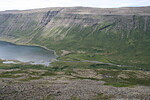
(67, 87)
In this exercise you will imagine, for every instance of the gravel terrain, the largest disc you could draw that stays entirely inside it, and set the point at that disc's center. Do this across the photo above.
(66, 89)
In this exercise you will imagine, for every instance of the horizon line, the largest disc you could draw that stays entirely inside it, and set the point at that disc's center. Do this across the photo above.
(72, 7)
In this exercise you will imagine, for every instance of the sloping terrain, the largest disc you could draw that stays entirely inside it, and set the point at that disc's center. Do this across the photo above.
(72, 81)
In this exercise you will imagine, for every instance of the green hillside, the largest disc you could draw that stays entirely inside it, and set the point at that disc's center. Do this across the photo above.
(118, 35)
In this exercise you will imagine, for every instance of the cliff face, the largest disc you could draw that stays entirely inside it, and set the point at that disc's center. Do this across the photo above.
(55, 23)
(121, 30)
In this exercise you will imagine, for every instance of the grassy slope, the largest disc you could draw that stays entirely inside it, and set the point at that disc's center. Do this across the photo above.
(101, 43)
(129, 50)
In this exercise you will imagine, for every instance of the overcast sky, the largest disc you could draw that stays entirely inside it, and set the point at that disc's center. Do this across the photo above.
(31, 4)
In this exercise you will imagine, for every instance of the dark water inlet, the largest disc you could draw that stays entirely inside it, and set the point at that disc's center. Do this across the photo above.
(27, 54)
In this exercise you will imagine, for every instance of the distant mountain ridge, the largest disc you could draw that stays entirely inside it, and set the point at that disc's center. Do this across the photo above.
(91, 10)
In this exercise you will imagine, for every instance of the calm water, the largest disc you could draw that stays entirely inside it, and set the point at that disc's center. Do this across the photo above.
(29, 54)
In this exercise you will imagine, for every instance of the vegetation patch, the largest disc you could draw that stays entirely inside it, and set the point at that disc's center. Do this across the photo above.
(101, 96)
(48, 73)
(30, 78)
(84, 56)
(111, 78)
(75, 98)
(48, 98)
(2, 75)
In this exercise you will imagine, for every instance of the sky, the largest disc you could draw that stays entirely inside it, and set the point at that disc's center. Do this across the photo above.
(32, 4)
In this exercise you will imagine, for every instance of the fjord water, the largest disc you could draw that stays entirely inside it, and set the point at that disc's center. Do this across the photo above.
(29, 54)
